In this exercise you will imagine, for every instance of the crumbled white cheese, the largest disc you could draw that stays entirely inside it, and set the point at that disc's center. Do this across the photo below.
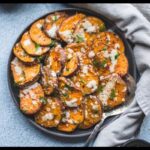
(38, 50)
(18, 70)
(53, 73)
(67, 35)
(85, 69)
(34, 102)
(92, 84)
(91, 54)
(67, 114)
(113, 53)
(48, 116)
(27, 89)
(108, 37)
(56, 121)
(32, 94)
(89, 27)
(52, 31)
(69, 56)
(72, 102)
(117, 45)
(38, 25)
(27, 42)
(104, 95)
(95, 107)
(82, 50)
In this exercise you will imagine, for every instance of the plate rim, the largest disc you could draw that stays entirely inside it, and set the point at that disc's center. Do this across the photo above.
(82, 10)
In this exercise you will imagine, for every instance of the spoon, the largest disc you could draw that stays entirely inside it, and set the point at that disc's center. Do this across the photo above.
(131, 87)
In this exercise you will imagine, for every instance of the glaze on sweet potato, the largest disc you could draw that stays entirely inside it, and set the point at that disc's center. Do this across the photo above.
(37, 34)
(71, 119)
(30, 99)
(24, 75)
(50, 114)
(48, 80)
(92, 112)
(112, 91)
(20, 53)
(68, 26)
(52, 24)
(69, 95)
(31, 47)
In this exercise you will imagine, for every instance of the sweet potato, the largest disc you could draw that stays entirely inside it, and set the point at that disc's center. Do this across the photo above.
(50, 114)
(30, 99)
(92, 112)
(37, 34)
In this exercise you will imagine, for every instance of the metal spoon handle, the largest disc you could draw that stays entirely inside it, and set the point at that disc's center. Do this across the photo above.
(94, 133)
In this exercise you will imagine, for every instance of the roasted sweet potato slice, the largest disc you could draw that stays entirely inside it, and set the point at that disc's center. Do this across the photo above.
(31, 98)
(71, 64)
(50, 114)
(52, 24)
(109, 39)
(111, 61)
(31, 47)
(24, 75)
(68, 26)
(112, 91)
(87, 28)
(70, 96)
(20, 53)
(55, 59)
(71, 119)
(92, 112)
(37, 34)
(49, 80)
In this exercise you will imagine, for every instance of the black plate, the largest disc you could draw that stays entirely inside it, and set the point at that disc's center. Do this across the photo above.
(110, 25)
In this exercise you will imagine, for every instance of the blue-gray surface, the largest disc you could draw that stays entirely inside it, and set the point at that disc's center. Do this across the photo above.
(15, 130)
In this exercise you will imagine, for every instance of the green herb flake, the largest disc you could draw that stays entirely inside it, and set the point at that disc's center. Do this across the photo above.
(37, 46)
(54, 18)
(53, 43)
(79, 39)
(65, 95)
(43, 100)
(116, 56)
(102, 28)
(100, 88)
(68, 87)
(96, 63)
(40, 58)
(103, 63)
(105, 48)
(67, 69)
(95, 111)
(113, 94)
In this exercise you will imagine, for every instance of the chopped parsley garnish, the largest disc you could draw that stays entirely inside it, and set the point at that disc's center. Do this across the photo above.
(100, 88)
(105, 48)
(116, 56)
(40, 58)
(67, 69)
(68, 87)
(112, 94)
(65, 95)
(102, 28)
(53, 43)
(55, 18)
(37, 46)
(82, 81)
(79, 39)
(43, 100)
(99, 64)
(95, 111)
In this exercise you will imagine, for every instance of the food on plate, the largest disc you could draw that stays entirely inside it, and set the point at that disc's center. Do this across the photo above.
(50, 114)
(48, 80)
(67, 27)
(71, 118)
(69, 70)
(69, 94)
(21, 54)
(37, 34)
(52, 24)
(87, 28)
(112, 91)
(24, 75)
(71, 64)
(55, 59)
(31, 47)
(31, 98)
(92, 112)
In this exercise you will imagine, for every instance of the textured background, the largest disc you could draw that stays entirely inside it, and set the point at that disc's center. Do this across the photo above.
(15, 130)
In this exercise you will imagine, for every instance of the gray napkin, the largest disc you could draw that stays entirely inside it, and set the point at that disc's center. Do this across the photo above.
(137, 29)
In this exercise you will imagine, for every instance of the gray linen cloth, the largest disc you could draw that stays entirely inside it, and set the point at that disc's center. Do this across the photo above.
(137, 29)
